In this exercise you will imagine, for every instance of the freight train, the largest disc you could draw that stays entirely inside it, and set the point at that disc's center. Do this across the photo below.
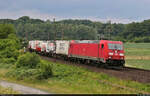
(101, 52)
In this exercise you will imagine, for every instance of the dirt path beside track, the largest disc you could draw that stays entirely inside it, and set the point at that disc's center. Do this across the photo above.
(21, 88)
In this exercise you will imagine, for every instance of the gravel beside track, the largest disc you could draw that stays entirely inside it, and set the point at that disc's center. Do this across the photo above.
(126, 73)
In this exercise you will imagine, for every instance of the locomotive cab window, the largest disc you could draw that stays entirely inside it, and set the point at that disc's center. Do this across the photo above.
(102, 45)
(115, 46)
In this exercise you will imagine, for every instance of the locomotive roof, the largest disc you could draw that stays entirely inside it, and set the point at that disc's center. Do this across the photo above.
(87, 41)
(95, 41)
(80, 41)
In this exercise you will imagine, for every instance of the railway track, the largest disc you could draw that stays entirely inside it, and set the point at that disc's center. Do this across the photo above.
(126, 73)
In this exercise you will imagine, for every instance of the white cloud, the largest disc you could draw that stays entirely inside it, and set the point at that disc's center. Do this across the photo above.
(44, 16)
(104, 20)
(32, 13)
(115, 20)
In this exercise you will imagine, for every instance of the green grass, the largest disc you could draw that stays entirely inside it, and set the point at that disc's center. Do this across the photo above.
(72, 79)
(90, 81)
(7, 91)
(137, 52)
(143, 64)
(137, 45)
(137, 55)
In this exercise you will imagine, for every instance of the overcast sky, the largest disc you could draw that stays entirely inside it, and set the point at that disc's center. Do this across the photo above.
(120, 11)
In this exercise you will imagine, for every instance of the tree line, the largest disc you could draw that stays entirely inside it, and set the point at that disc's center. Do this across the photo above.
(30, 29)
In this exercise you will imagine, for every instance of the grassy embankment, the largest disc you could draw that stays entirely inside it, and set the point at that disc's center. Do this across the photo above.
(138, 55)
(71, 79)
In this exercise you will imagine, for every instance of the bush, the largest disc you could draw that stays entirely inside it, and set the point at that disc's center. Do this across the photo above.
(141, 39)
(30, 66)
(28, 60)
(39, 73)
(22, 73)
(8, 60)
(46, 70)
(5, 30)
(9, 48)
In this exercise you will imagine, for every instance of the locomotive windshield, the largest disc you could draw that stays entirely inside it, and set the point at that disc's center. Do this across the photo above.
(115, 46)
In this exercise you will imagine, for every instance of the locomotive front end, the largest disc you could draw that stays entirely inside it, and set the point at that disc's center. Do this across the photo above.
(115, 53)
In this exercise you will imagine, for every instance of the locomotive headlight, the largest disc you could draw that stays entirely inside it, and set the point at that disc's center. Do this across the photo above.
(121, 54)
(110, 53)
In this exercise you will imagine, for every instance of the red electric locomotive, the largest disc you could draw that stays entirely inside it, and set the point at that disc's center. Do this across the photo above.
(106, 52)
(102, 52)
